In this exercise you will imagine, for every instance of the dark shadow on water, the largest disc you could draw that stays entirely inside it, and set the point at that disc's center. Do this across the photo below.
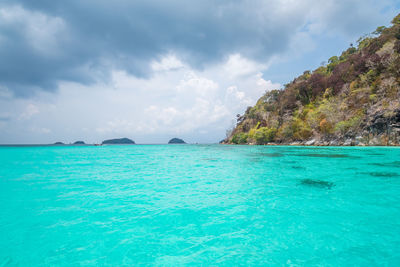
(210, 159)
(258, 157)
(325, 155)
(269, 155)
(351, 168)
(381, 174)
(7, 262)
(317, 183)
(298, 167)
(386, 164)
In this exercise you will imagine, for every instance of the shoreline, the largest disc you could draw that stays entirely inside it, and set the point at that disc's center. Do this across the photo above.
(294, 144)
(315, 145)
(359, 141)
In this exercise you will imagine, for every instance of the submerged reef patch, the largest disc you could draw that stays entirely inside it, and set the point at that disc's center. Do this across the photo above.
(210, 159)
(324, 155)
(386, 164)
(317, 183)
(298, 167)
(381, 174)
(270, 155)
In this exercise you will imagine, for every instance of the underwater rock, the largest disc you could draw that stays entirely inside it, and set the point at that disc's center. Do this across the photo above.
(273, 155)
(298, 167)
(386, 164)
(6, 262)
(317, 183)
(269, 155)
(324, 155)
(381, 174)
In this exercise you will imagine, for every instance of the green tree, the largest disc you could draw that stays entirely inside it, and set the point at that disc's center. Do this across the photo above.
(379, 30)
(332, 62)
(239, 138)
(264, 135)
(396, 20)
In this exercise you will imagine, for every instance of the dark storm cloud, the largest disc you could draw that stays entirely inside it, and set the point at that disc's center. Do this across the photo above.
(99, 35)
(45, 41)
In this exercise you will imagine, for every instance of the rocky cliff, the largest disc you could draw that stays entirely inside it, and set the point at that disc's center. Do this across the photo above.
(354, 99)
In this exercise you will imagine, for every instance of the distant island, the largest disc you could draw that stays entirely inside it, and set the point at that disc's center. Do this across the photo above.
(59, 143)
(119, 141)
(79, 143)
(353, 99)
(176, 141)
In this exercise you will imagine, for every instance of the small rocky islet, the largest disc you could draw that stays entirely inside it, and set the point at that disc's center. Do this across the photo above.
(176, 140)
(58, 143)
(118, 141)
(79, 143)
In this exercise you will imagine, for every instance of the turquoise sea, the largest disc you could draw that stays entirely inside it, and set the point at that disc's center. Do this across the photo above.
(220, 205)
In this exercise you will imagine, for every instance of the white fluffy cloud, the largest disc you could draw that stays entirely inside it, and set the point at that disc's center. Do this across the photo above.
(176, 101)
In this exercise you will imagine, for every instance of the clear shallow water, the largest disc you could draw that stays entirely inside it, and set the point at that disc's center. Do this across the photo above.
(198, 204)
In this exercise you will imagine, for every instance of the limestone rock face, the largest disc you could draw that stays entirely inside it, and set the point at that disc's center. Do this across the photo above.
(310, 142)
(348, 142)
(334, 143)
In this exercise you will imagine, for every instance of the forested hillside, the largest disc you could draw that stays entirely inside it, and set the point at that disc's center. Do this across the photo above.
(354, 99)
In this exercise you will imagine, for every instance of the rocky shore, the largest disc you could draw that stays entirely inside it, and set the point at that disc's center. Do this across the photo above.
(358, 141)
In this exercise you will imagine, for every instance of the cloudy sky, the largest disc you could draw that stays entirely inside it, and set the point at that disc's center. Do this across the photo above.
(151, 70)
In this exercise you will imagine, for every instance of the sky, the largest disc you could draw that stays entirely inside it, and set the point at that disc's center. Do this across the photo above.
(151, 70)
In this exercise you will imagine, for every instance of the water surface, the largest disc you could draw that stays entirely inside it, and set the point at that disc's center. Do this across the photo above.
(200, 205)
